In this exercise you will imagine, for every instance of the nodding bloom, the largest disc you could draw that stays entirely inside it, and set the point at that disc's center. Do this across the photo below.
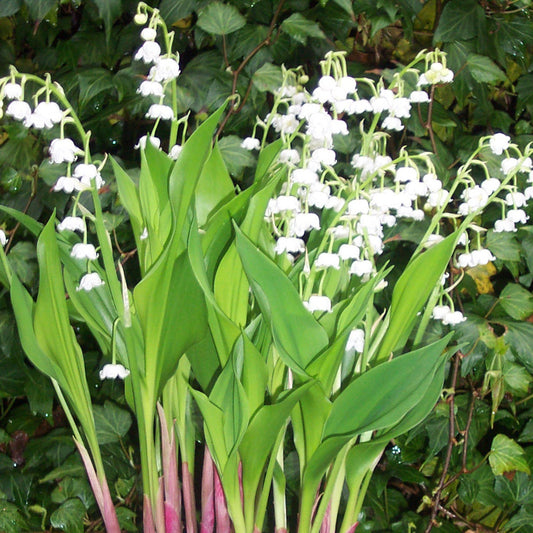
(148, 34)
(175, 151)
(150, 88)
(154, 141)
(84, 251)
(250, 143)
(165, 69)
(19, 110)
(63, 151)
(318, 303)
(290, 245)
(499, 142)
(356, 341)
(46, 114)
(86, 173)
(12, 91)
(149, 52)
(89, 282)
(3, 237)
(328, 260)
(164, 112)
(113, 371)
(67, 184)
(447, 316)
(72, 224)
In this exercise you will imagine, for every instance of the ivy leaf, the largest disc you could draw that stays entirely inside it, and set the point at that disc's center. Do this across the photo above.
(459, 20)
(524, 90)
(507, 456)
(93, 82)
(503, 245)
(235, 157)
(516, 301)
(518, 336)
(69, 517)
(108, 10)
(9, 7)
(38, 9)
(220, 19)
(484, 69)
(527, 433)
(300, 28)
(267, 78)
(111, 422)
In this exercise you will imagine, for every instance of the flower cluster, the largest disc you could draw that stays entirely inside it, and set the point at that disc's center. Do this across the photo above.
(330, 218)
(164, 70)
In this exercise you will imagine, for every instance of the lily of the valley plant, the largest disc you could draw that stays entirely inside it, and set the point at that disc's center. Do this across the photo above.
(259, 309)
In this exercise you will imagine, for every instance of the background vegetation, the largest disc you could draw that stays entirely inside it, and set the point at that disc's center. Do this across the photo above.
(468, 467)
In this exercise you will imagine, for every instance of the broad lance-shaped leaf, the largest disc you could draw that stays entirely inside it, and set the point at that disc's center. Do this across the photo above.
(214, 186)
(377, 399)
(411, 292)
(297, 335)
(186, 173)
(231, 286)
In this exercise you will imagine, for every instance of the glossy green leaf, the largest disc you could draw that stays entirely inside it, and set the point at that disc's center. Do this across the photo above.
(459, 21)
(484, 70)
(268, 77)
(507, 456)
(69, 516)
(516, 301)
(32, 225)
(300, 28)
(236, 158)
(112, 422)
(297, 335)
(38, 9)
(214, 186)
(93, 82)
(108, 10)
(411, 292)
(228, 394)
(10, 7)
(401, 382)
(220, 19)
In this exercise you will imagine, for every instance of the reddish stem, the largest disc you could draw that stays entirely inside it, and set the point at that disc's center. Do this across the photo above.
(208, 494)
(189, 502)
(221, 509)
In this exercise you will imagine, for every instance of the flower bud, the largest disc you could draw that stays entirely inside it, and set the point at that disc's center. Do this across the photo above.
(140, 18)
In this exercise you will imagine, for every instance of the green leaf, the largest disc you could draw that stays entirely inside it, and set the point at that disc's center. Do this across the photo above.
(32, 225)
(296, 333)
(401, 383)
(9, 7)
(484, 69)
(73, 487)
(92, 82)
(69, 517)
(112, 422)
(518, 336)
(503, 245)
(40, 393)
(220, 19)
(71, 466)
(11, 520)
(459, 21)
(22, 259)
(524, 90)
(235, 157)
(214, 186)
(267, 78)
(516, 301)
(300, 28)
(108, 10)
(38, 9)
(527, 432)
(411, 292)
(507, 456)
